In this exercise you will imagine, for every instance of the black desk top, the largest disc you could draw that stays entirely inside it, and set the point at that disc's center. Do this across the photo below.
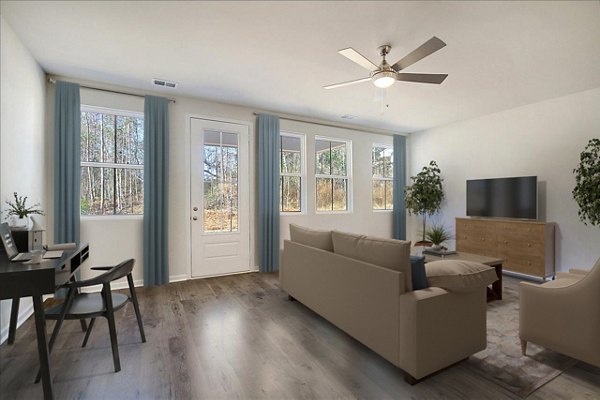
(20, 280)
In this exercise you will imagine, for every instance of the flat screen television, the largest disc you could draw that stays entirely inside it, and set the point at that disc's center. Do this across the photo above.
(503, 197)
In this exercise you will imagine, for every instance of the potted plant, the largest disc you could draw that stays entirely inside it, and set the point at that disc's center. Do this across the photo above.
(587, 188)
(424, 197)
(20, 213)
(437, 235)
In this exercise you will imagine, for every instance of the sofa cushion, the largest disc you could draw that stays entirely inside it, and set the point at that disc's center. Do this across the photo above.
(310, 237)
(419, 278)
(389, 253)
(459, 275)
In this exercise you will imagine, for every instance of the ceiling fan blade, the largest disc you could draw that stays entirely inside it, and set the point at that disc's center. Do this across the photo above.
(337, 85)
(427, 48)
(358, 58)
(421, 78)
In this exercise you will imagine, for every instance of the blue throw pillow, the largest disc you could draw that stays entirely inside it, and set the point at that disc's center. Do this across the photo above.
(419, 279)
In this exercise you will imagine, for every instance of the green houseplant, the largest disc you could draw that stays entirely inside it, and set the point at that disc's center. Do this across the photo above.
(18, 209)
(587, 188)
(424, 197)
(437, 235)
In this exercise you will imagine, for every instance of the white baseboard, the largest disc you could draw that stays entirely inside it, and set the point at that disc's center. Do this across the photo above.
(24, 313)
(118, 285)
(178, 278)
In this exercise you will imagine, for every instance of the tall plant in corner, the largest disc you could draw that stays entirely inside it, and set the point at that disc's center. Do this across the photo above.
(587, 188)
(424, 197)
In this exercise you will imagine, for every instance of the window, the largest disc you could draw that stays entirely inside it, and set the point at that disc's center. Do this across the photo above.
(292, 173)
(112, 158)
(221, 182)
(383, 175)
(332, 157)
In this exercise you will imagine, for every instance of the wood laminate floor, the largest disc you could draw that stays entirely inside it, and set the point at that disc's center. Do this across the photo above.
(238, 337)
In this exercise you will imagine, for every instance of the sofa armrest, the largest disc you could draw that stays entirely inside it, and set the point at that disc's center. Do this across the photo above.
(439, 328)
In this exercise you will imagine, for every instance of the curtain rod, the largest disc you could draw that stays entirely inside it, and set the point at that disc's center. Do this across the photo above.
(53, 81)
(333, 125)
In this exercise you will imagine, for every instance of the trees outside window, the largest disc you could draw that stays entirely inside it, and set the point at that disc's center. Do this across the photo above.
(332, 173)
(292, 173)
(383, 177)
(112, 162)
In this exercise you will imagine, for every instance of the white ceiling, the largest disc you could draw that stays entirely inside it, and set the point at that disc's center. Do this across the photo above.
(277, 55)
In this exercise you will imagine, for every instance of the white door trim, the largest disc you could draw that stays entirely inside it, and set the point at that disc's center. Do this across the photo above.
(251, 188)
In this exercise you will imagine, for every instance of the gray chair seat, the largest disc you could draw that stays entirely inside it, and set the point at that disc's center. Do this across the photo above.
(87, 305)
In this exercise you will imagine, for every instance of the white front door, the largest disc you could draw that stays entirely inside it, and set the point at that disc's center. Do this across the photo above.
(220, 228)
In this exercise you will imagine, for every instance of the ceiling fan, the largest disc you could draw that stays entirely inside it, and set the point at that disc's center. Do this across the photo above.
(385, 75)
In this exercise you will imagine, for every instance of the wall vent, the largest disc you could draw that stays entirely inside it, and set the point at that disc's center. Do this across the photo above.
(165, 83)
(348, 116)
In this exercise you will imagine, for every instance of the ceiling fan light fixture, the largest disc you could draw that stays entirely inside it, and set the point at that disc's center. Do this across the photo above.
(384, 79)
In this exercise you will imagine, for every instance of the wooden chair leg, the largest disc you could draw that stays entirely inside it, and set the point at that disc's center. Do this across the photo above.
(110, 316)
(57, 325)
(136, 307)
(14, 316)
(523, 346)
(87, 333)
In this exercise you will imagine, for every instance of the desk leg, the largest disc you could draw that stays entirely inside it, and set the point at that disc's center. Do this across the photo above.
(14, 315)
(40, 328)
(497, 286)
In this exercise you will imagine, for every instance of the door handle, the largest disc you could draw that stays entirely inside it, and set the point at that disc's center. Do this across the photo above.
(195, 208)
(195, 218)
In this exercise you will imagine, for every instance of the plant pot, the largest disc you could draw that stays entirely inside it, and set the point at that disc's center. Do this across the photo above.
(20, 223)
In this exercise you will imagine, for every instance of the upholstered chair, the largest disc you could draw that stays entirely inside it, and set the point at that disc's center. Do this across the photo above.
(564, 315)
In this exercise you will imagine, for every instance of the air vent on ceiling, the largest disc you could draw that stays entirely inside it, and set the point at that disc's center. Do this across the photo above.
(165, 83)
(349, 116)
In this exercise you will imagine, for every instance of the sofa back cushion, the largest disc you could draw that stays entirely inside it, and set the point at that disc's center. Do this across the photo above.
(310, 237)
(389, 253)
(459, 275)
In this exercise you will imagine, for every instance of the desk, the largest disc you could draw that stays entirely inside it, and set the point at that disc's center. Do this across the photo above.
(23, 280)
(493, 293)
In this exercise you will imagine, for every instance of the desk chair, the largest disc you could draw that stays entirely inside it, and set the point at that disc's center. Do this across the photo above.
(93, 305)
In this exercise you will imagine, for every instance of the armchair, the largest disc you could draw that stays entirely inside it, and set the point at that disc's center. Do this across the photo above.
(563, 315)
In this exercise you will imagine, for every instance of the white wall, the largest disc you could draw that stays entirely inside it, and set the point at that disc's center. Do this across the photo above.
(115, 238)
(22, 135)
(543, 139)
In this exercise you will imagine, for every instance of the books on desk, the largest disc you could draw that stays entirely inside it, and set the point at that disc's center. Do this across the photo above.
(53, 254)
(438, 252)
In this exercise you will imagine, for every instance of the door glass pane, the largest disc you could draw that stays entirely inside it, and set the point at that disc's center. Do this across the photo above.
(220, 182)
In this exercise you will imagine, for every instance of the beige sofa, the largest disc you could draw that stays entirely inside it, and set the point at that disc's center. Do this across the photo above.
(421, 331)
(564, 315)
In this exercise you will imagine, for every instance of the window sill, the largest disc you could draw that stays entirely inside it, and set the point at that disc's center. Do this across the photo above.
(112, 217)
(291, 214)
(381, 211)
(333, 212)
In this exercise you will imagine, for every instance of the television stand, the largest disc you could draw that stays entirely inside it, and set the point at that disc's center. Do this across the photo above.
(525, 246)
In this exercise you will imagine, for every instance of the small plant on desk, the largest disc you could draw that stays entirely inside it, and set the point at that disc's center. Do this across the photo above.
(19, 210)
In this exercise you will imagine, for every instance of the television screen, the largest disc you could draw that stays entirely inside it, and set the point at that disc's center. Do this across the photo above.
(503, 197)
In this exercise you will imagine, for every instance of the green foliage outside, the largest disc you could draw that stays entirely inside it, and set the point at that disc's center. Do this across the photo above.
(587, 188)
(424, 197)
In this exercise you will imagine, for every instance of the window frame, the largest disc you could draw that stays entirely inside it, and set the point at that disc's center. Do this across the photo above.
(301, 175)
(347, 177)
(114, 166)
(384, 179)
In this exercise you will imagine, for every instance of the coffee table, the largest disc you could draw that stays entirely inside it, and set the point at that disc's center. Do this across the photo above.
(495, 291)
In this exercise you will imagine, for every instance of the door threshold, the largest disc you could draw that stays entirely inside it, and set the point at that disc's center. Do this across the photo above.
(227, 274)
